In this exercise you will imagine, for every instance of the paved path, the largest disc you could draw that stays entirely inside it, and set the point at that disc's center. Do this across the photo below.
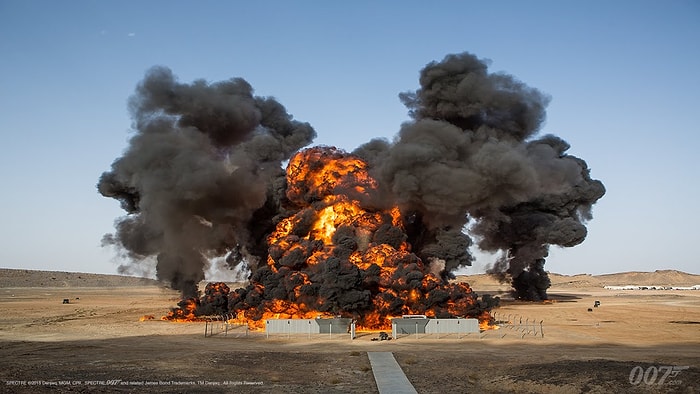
(388, 374)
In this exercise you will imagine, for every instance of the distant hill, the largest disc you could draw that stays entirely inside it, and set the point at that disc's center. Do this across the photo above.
(658, 277)
(33, 278)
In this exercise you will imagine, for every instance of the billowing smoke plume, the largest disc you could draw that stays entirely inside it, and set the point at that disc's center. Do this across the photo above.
(202, 178)
(469, 154)
(198, 172)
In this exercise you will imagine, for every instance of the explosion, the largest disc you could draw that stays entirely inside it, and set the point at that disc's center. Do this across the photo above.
(341, 255)
(371, 234)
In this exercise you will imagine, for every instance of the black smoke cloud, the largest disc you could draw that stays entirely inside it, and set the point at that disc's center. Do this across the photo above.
(199, 170)
(202, 176)
(469, 154)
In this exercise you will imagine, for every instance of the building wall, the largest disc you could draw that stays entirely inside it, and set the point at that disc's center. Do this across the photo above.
(291, 326)
(452, 326)
(307, 326)
(401, 326)
(408, 326)
(334, 326)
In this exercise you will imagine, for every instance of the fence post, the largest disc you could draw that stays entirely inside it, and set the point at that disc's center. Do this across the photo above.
(541, 330)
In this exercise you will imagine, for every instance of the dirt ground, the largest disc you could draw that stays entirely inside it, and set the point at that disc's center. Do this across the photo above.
(97, 343)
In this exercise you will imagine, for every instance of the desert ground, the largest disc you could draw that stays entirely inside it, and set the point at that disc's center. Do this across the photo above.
(97, 342)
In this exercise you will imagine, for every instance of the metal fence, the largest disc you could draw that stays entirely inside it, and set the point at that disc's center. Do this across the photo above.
(517, 325)
(223, 324)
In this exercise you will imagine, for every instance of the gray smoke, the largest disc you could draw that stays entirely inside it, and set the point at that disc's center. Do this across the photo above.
(202, 164)
(470, 154)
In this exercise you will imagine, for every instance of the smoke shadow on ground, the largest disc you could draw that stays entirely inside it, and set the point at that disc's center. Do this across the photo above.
(336, 366)
(566, 297)
(508, 299)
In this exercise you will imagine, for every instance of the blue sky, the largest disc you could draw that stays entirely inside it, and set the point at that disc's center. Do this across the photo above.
(623, 77)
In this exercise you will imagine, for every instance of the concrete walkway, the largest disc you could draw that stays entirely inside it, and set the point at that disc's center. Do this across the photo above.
(388, 374)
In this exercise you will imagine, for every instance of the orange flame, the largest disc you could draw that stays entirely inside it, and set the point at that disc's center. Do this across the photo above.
(277, 309)
(185, 312)
(486, 322)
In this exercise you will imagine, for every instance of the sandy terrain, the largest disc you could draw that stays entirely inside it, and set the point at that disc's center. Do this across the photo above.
(96, 343)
